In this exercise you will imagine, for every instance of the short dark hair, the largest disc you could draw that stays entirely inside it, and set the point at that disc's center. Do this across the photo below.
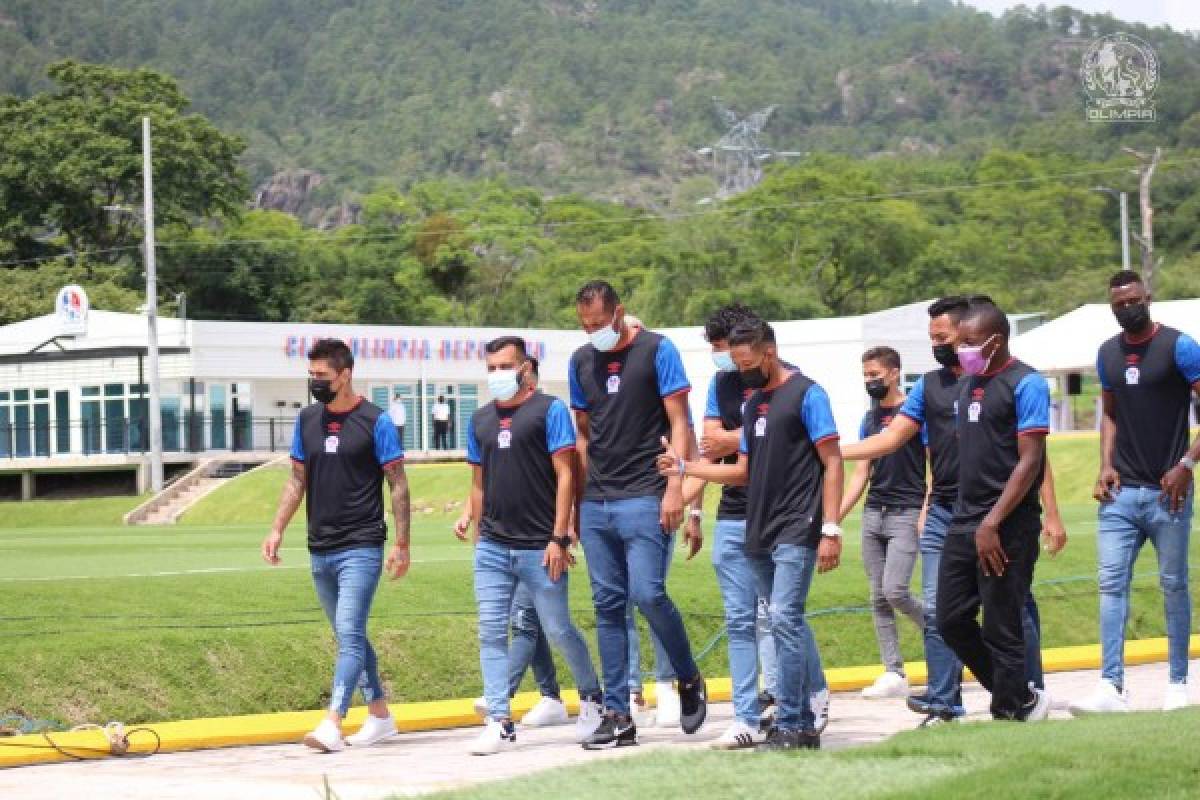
(980, 300)
(753, 332)
(534, 365)
(884, 355)
(725, 319)
(333, 351)
(593, 289)
(954, 306)
(993, 319)
(501, 342)
(1124, 278)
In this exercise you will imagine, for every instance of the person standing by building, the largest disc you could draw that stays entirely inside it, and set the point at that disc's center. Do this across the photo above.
(522, 448)
(399, 416)
(1003, 417)
(342, 449)
(441, 414)
(1149, 373)
(890, 519)
(629, 391)
(790, 462)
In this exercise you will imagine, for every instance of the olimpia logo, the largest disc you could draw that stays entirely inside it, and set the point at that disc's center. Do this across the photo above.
(1120, 73)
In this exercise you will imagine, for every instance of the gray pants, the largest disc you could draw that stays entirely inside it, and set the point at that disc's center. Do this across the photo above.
(889, 553)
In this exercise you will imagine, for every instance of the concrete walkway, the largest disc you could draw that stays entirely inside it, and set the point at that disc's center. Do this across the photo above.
(418, 763)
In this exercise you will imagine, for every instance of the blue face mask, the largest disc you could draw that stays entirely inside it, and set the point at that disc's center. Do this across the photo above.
(605, 338)
(723, 361)
(503, 384)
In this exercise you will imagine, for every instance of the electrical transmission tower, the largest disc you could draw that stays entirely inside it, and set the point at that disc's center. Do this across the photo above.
(739, 155)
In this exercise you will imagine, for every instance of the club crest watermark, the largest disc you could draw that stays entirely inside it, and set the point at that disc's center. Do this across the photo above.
(1120, 73)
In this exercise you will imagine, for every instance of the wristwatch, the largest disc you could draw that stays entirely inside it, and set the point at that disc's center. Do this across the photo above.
(1188, 461)
(562, 541)
(832, 530)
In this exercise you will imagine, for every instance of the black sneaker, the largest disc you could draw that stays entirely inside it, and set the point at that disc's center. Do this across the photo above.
(781, 740)
(919, 704)
(766, 711)
(936, 718)
(693, 704)
(616, 730)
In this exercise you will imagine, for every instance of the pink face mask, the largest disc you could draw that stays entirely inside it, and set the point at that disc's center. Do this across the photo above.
(972, 360)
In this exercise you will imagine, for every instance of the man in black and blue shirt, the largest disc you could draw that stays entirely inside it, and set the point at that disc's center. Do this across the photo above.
(342, 450)
(629, 392)
(1149, 373)
(791, 465)
(521, 447)
(1002, 417)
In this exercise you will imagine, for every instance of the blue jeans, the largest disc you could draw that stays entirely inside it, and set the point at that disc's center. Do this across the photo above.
(345, 581)
(498, 572)
(626, 557)
(785, 577)
(768, 660)
(663, 673)
(1136, 515)
(529, 646)
(944, 686)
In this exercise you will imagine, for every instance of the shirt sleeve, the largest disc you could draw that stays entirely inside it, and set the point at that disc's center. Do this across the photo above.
(914, 403)
(669, 366)
(1187, 358)
(578, 397)
(388, 449)
(924, 434)
(1033, 405)
(712, 409)
(473, 456)
(297, 452)
(862, 426)
(817, 414)
(1104, 384)
(744, 447)
(560, 433)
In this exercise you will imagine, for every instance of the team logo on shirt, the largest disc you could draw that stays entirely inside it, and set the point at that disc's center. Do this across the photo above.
(1133, 373)
(976, 407)
(504, 437)
(614, 377)
(760, 424)
(331, 444)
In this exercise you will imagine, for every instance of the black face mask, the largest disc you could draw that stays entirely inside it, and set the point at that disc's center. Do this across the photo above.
(1133, 318)
(322, 390)
(877, 388)
(946, 355)
(755, 378)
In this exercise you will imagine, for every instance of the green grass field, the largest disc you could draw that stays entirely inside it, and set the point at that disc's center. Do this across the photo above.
(1069, 760)
(103, 621)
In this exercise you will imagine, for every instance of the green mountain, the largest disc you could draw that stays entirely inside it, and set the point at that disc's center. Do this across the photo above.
(609, 98)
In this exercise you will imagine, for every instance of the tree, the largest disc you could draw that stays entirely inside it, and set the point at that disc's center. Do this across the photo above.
(68, 155)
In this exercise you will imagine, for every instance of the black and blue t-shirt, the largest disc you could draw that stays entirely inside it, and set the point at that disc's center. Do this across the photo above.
(994, 409)
(1151, 383)
(780, 434)
(933, 404)
(622, 392)
(514, 446)
(343, 456)
(897, 479)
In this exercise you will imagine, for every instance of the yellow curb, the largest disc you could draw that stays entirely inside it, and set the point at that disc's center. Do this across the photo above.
(255, 729)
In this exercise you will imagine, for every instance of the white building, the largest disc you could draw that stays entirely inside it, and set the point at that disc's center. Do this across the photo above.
(80, 402)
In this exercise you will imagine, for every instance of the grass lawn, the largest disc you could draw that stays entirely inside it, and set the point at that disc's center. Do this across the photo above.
(1084, 759)
(102, 621)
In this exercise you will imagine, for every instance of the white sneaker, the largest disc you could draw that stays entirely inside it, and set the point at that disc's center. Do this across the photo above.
(1176, 697)
(374, 730)
(739, 736)
(643, 715)
(820, 708)
(1105, 699)
(480, 706)
(548, 711)
(1041, 705)
(889, 684)
(494, 737)
(591, 714)
(667, 713)
(326, 737)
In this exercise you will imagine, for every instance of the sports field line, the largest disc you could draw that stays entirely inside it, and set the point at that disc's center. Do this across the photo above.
(183, 572)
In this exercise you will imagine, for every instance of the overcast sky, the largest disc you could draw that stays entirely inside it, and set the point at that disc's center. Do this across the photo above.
(1182, 15)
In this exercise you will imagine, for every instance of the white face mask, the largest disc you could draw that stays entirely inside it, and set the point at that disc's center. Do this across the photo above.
(605, 338)
(503, 384)
(723, 361)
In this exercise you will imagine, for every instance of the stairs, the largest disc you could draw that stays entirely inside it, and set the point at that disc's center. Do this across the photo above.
(171, 503)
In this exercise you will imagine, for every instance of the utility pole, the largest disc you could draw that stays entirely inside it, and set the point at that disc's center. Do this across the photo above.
(155, 411)
(1145, 172)
(1123, 197)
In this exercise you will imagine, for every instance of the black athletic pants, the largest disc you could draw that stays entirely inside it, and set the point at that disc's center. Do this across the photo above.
(995, 652)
